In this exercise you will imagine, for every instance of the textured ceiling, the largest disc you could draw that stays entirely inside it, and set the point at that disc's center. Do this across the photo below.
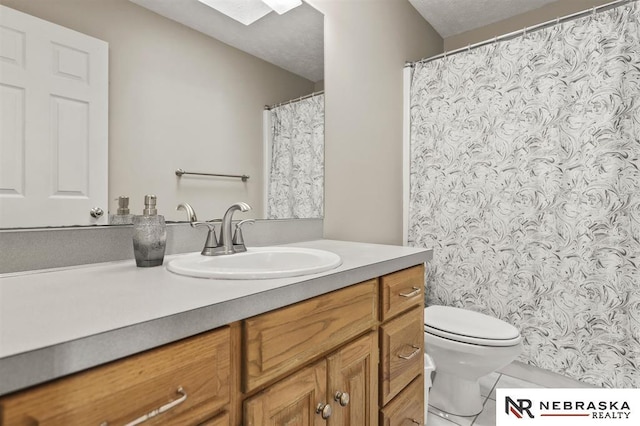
(293, 41)
(452, 17)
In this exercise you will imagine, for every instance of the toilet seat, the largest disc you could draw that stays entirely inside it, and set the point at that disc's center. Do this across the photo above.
(464, 326)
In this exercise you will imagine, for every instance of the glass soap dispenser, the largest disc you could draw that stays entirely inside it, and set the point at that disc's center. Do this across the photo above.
(149, 235)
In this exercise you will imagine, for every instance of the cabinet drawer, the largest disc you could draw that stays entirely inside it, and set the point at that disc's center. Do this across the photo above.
(280, 341)
(402, 347)
(193, 374)
(401, 291)
(407, 408)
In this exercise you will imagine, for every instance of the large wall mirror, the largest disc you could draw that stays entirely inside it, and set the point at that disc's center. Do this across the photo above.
(187, 89)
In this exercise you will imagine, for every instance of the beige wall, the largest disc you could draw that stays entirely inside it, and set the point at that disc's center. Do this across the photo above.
(177, 99)
(366, 45)
(543, 14)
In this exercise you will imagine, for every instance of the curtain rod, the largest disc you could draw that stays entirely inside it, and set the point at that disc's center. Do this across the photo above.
(523, 31)
(301, 98)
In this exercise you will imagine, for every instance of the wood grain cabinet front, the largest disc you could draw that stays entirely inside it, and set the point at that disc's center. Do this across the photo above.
(339, 390)
(401, 344)
(407, 408)
(181, 383)
(401, 291)
(402, 348)
(280, 341)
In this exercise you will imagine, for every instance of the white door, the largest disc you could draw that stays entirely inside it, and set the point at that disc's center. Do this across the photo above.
(53, 124)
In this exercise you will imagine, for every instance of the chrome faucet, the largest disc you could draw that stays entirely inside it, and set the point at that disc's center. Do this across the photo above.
(226, 240)
(226, 244)
(211, 245)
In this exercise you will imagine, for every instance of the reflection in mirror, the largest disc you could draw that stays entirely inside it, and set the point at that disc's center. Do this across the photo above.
(180, 99)
(295, 158)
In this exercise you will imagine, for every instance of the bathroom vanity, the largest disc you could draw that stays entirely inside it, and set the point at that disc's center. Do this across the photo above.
(144, 345)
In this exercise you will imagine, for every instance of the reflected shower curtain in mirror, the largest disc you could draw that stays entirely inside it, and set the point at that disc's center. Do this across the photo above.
(525, 180)
(296, 178)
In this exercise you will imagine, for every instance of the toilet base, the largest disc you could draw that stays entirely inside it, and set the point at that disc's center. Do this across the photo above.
(454, 395)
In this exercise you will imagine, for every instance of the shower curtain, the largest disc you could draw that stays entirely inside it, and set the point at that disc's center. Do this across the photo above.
(525, 179)
(296, 177)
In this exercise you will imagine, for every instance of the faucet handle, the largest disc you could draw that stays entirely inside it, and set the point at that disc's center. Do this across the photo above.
(238, 239)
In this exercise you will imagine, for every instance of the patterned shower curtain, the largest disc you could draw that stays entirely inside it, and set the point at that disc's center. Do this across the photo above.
(525, 179)
(296, 179)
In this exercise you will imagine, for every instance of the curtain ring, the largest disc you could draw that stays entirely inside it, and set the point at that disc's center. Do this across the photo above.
(593, 10)
(557, 20)
(469, 47)
(524, 32)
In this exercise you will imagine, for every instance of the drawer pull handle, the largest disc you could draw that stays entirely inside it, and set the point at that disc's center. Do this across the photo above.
(415, 422)
(157, 411)
(415, 291)
(412, 354)
(342, 397)
(324, 410)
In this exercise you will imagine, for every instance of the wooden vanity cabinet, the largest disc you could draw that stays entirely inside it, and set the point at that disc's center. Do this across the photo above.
(190, 379)
(402, 346)
(349, 357)
(381, 371)
(339, 388)
(277, 342)
(407, 408)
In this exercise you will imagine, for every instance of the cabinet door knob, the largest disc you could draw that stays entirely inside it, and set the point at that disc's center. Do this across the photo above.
(342, 398)
(324, 410)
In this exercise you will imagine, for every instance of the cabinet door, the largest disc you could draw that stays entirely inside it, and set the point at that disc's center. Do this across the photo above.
(352, 383)
(407, 408)
(292, 401)
(54, 93)
(402, 347)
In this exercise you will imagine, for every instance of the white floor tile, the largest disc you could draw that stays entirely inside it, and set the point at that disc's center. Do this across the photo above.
(462, 421)
(487, 383)
(488, 415)
(439, 421)
(544, 378)
(513, 383)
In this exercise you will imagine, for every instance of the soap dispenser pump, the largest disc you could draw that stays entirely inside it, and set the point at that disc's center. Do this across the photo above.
(123, 216)
(149, 235)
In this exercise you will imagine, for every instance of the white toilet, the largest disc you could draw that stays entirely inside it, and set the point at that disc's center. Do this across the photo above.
(465, 346)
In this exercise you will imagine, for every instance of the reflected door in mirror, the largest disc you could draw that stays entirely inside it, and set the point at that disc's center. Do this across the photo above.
(53, 124)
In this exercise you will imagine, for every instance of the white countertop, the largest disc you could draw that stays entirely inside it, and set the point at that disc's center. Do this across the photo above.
(56, 322)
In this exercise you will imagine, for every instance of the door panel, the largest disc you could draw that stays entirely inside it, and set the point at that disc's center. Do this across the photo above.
(353, 370)
(291, 401)
(54, 121)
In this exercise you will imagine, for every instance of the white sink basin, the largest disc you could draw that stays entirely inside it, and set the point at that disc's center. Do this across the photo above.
(256, 263)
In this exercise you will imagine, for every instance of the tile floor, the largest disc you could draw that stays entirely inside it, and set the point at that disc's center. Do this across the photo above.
(515, 375)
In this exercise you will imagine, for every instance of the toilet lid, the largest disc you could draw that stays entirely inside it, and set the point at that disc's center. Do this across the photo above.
(469, 327)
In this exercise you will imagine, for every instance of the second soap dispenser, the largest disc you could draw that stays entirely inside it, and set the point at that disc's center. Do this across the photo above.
(149, 235)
